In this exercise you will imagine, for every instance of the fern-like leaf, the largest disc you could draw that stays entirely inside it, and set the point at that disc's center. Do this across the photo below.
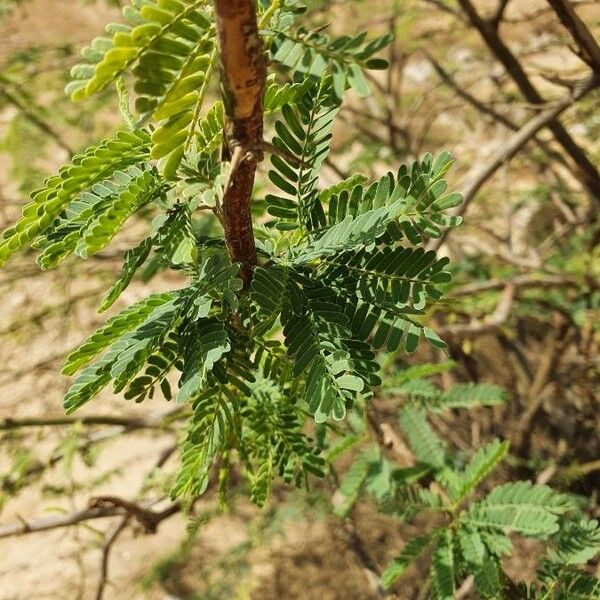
(114, 328)
(345, 58)
(480, 466)
(442, 567)
(133, 260)
(98, 163)
(212, 421)
(528, 509)
(315, 347)
(411, 551)
(303, 135)
(424, 442)
(203, 345)
(169, 45)
(353, 481)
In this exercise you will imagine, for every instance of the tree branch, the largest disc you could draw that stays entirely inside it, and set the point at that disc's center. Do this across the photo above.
(490, 324)
(588, 46)
(488, 110)
(586, 170)
(518, 282)
(106, 548)
(45, 523)
(10, 424)
(243, 74)
(515, 143)
(99, 508)
(30, 114)
(120, 528)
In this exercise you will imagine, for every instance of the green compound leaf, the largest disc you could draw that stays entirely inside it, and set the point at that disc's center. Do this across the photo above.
(529, 509)
(397, 567)
(97, 164)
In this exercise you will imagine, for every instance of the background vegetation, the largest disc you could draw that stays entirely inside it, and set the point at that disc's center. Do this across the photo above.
(522, 314)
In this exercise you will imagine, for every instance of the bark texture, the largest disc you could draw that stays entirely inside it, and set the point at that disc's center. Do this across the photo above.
(243, 74)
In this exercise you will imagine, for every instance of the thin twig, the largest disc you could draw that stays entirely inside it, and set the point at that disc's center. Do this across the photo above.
(10, 423)
(589, 50)
(119, 529)
(587, 171)
(106, 548)
(490, 324)
(515, 143)
(34, 118)
(519, 282)
(556, 342)
(487, 109)
(45, 523)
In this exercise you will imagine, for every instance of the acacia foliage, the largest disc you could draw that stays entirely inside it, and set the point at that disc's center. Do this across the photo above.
(342, 272)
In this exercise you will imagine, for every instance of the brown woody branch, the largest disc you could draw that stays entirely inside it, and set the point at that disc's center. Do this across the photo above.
(515, 143)
(106, 549)
(10, 424)
(110, 541)
(23, 527)
(499, 14)
(488, 110)
(585, 169)
(589, 50)
(243, 75)
(99, 509)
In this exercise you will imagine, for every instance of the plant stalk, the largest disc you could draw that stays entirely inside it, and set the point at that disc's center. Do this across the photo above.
(243, 74)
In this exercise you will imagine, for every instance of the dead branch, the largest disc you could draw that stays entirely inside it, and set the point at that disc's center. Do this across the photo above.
(526, 133)
(106, 549)
(586, 170)
(119, 529)
(589, 51)
(32, 116)
(515, 143)
(45, 523)
(48, 310)
(497, 17)
(489, 325)
(520, 282)
(10, 423)
(557, 341)
(488, 110)
(99, 508)
(96, 437)
(147, 518)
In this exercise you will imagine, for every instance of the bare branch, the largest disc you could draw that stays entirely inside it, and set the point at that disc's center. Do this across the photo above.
(520, 282)
(146, 517)
(490, 324)
(487, 109)
(499, 14)
(10, 424)
(120, 528)
(99, 508)
(444, 7)
(587, 172)
(45, 523)
(525, 134)
(106, 548)
(589, 50)
(514, 144)
(32, 115)
(556, 342)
